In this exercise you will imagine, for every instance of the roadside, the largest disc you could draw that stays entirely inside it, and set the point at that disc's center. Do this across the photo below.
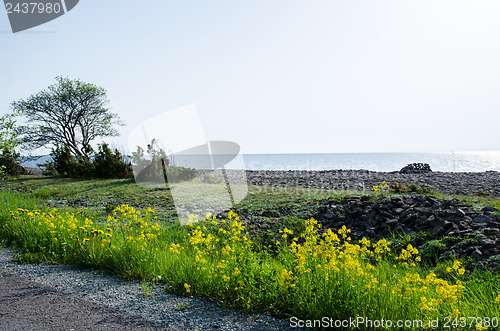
(26, 305)
(57, 297)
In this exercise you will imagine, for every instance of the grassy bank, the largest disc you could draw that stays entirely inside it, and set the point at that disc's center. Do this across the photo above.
(279, 263)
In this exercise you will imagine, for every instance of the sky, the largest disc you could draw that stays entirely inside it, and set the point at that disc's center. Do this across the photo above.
(274, 76)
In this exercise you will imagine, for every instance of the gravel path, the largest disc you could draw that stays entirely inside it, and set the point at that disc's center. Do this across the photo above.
(58, 297)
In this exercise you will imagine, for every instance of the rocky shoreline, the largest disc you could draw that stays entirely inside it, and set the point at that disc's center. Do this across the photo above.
(440, 228)
(452, 183)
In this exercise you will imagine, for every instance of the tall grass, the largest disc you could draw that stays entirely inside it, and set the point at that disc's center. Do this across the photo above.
(306, 275)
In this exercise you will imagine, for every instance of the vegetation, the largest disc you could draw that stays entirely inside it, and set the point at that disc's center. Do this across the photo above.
(106, 164)
(295, 271)
(69, 113)
(9, 158)
(153, 166)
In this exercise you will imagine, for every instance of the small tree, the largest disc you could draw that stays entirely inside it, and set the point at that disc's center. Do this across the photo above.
(68, 165)
(9, 158)
(150, 167)
(111, 164)
(153, 166)
(70, 112)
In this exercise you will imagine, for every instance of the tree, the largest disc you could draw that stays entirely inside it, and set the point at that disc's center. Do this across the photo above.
(70, 112)
(9, 159)
(110, 164)
(7, 132)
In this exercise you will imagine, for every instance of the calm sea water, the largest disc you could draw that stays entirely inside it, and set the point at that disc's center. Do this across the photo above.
(448, 162)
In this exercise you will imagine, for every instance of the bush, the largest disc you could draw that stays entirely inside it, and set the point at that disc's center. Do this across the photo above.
(68, 166)
(83, 168)
(179, 174)
(111, 164)
(3, 173)
(153, 165)
(62, 160)
(10, 163)
(106, 164)
(398, 188)
(207, 179)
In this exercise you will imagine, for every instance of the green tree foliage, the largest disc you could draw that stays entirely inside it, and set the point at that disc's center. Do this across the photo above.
(153, 165)
(9, 158)
(110, 164)
(67, 165)
(105, 164)
(7, 132)
(70, 112)
(148, 164)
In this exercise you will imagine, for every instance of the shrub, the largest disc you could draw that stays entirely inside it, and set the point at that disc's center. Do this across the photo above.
(83, 168)
(111, 164)
(67, 165)
(207, 179)
(179, 174)
(153, 165)
(3, 173)
(10, 162)
(62, 160)
(398, 188)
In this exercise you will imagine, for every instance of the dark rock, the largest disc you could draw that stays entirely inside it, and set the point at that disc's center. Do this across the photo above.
(489, 209)
(477, 253)
(411, 214)
(448, 225)
(432, 200)
(398, 210)
(460, 212)
(415, 168)
(464, 225)
(437, 230)
(487, 243)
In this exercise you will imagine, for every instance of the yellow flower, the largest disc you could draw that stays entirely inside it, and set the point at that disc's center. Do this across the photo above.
(187, 287)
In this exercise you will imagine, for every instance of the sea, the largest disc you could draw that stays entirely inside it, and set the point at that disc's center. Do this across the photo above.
(445, 162)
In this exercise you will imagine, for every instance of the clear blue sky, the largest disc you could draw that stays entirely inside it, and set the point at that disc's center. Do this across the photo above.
(281, 76)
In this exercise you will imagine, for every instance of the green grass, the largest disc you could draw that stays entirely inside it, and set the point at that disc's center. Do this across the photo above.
(254, 267)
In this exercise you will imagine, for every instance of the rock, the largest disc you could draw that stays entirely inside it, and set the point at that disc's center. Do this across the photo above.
(415, 168)
(448, 225)
(437, 230)
(487, 243)
(411, 214)
(432, 200)
(464, 225)
(477, 253)
(489, 209)
(460, 212)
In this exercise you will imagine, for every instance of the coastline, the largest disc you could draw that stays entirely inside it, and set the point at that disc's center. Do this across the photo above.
(452, 183)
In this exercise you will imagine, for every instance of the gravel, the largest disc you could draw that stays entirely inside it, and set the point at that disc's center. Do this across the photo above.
(170, 310)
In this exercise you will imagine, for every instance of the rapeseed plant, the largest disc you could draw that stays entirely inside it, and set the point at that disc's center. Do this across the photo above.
(312, 274)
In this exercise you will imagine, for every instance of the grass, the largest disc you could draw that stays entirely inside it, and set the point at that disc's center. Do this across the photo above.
(278, 263)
